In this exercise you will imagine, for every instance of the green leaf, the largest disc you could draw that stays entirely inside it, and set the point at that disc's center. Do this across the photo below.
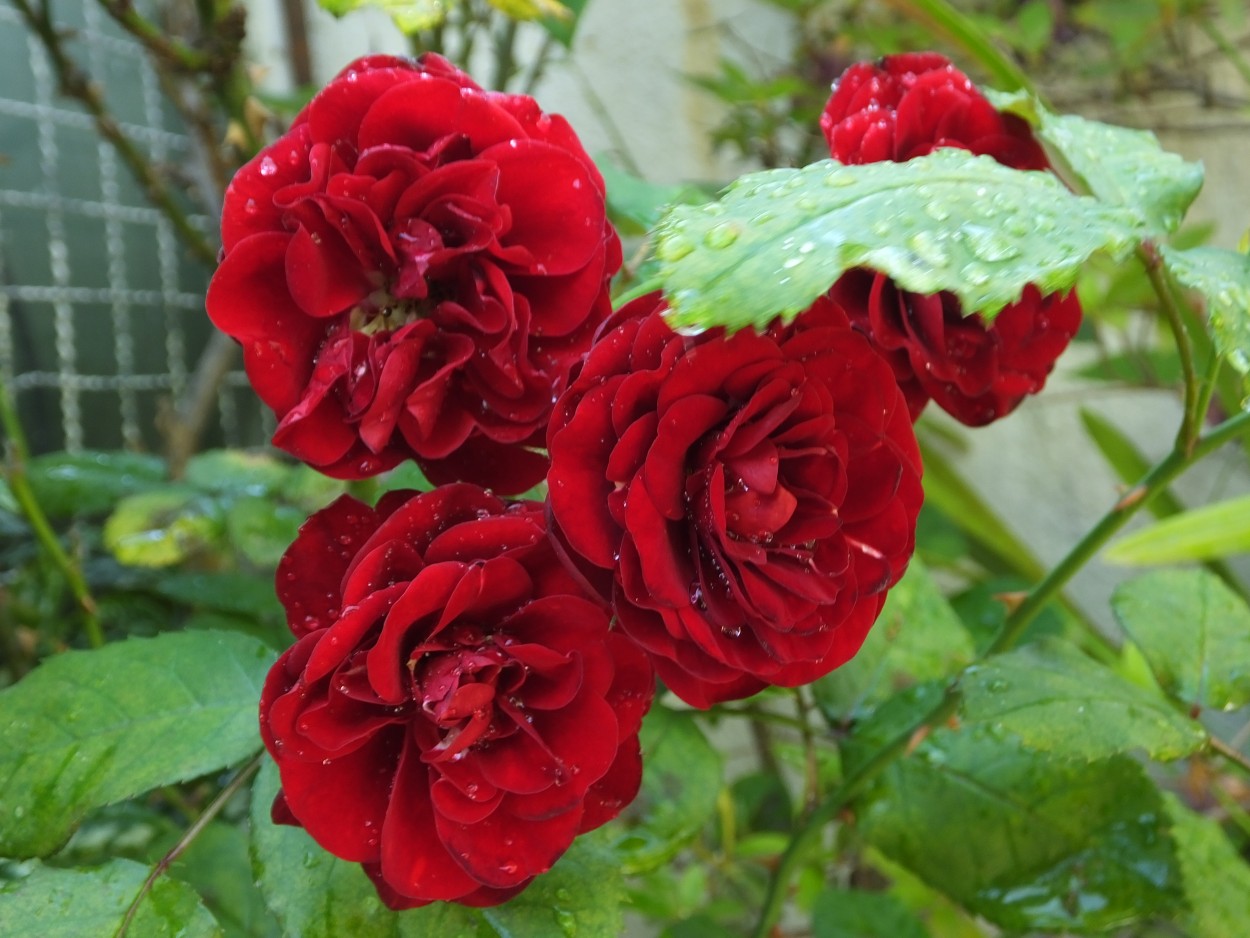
(1205, 533)
(1058, 701)
(90, 483)
(261, 529)
(1121, 167)
(918, 637)
(1217, 880)
(236, 471)
(1223, 278)
(681, 777)
(532, 9)
(1193, 631)
(946, 221)
(217, 866)
(563, 28)
(411, 16)
(238, 593)
(163, 527)
(1025, 840)
(57, 903)
(841, 913)
(87, 728)
(316, 895)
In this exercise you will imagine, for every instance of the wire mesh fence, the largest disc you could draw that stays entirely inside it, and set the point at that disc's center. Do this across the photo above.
(101, 309)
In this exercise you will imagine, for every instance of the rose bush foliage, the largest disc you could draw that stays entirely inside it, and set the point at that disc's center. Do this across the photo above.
(454, 710)
(412, 269)
(898, 108)
(743, 501)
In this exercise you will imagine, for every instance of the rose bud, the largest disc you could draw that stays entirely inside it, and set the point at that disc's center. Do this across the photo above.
(905, 106)
(744, 502)
(455, 709)
(411, 270)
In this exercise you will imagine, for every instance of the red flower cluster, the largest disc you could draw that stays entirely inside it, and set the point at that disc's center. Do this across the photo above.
(412, 270)
(418, 270)
(906, 106)
(454, 711)
(744, 501)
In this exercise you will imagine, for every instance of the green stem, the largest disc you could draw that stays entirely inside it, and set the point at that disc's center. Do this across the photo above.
(505, 59)
(24, 495)
(214, 808)
(178, 54)
(958, 29)
(1009, 634)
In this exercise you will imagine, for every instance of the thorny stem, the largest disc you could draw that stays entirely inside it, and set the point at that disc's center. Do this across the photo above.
(811, 769)
(19, 485)
(1155, 481)
(1165, 291)
(169, 50)
(214, 808)
(75, 84)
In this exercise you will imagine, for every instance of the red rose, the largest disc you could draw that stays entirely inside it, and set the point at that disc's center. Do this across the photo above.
(902, 107)
(412, 270)
(745, 501)
(455, 710)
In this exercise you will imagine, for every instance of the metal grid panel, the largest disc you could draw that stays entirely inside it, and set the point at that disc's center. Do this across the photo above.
(101, 310)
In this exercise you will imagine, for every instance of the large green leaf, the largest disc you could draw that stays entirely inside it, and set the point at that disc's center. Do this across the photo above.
(59, 903)
(1223, 278)
(236, 471)
(1217, 880)
(1194, 633)
(316, 895)
(918, 637)
(1118, 165)
(1059, 701)
(87, 728)
(1206, 533)
(681, 777)
(1028, 841)
(946, 221)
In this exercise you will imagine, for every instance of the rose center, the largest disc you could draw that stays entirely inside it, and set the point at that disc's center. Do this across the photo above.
(382, 312)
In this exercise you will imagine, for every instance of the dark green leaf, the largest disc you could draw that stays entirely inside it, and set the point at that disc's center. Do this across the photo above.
(162, 527)
(847, 913)
(1025, 840)
(90, 483)
(57, 903)
(1217, 880)
(87, 728)
(1122, 167)
(239, 593)
(563, 28)
(681, 777)
(918, 637)
(1206, 533)
(1223, 278)
(947, 221)
(1059, 701)
(1193, 631)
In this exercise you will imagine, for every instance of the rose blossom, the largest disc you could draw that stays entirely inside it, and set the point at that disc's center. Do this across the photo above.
(412, 270)
(745, 502)
(455, 709)
(898, 108)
